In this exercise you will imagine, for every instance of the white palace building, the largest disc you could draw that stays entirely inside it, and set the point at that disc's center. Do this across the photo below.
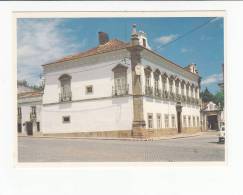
(119, 89)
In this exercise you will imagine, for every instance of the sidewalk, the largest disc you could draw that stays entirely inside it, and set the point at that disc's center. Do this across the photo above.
(177, 136)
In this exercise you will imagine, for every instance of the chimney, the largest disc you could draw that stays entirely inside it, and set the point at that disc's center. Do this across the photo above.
(103, 38)
(134, 36)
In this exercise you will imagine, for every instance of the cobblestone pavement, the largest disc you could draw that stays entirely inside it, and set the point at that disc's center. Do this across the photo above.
(199, 148)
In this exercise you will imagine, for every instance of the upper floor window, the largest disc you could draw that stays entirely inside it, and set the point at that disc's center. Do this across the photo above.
(120, 80)
(187, 90)
(177, 86)
(156, 79)
(171, 85)
(19, 112)
(164, 82)
(65, 83)
(182, 88)
(144, 43)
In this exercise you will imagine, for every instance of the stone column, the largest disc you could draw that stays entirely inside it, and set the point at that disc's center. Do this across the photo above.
(138, 125)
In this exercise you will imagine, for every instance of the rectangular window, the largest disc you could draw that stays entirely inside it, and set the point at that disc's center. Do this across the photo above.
(194, 122)
(189, 121)
(198, 121)
(89, 89)
(33, 109)
(173, 123)
(150, 121)
(144, 42)
(147, 77)
(66, 119)
(19, 112)
(164, 84)
(184, 121)
(158, 121)
(166, 121)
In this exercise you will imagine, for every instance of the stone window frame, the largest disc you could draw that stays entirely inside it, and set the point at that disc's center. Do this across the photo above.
(187, 89)
(177, 82)
(183, 85)
(171, 83)
(120, 72)
(167, 120)
(66, 121)
(147, 74)
(19, 111)
(159, 121)
(164, 81)
(157, 74)
(86, 89)
(150, 125)
(65, 80)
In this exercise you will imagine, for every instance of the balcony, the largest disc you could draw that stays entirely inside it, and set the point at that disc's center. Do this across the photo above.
(172, 96)
(120, 91)
(178, 97)
(157, 92)
(65, 97)
(165, 94)
(33, 116)
(148, 90)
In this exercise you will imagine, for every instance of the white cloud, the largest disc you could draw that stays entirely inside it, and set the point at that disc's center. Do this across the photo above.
(41, 41)
(214, 78)
(184, 50)
(166, 39)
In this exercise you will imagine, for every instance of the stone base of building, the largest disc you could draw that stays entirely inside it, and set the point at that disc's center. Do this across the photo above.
(137, 133)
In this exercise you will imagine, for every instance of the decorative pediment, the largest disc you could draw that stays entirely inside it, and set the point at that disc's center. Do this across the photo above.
(148, 69)
(120, 67)
(65, 77)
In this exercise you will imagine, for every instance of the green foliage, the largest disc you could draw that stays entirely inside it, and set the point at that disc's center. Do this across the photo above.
(218, 98)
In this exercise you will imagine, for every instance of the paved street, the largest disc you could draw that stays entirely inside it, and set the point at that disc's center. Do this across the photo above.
(199, 148)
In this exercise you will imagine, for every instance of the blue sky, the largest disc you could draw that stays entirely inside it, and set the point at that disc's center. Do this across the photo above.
(43, 40)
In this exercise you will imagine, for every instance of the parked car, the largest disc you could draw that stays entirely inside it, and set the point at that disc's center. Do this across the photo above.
(222, 134)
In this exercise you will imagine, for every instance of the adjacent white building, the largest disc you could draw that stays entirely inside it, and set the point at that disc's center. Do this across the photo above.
(119, 89)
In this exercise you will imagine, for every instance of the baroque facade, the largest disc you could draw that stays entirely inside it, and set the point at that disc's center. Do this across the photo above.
(120, 89)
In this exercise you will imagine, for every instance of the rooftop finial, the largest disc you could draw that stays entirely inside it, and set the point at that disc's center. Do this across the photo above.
(134, 30)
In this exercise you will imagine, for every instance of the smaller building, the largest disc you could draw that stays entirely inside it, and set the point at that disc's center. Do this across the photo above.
(211, 116)
(29, 112)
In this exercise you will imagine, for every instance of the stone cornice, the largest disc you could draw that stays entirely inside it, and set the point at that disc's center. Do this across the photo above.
(157, 59)
(87, 61)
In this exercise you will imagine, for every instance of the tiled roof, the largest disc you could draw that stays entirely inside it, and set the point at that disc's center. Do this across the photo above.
(30, 94)
(111, 45)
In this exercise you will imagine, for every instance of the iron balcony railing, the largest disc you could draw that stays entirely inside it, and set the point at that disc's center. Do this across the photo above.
(121, 90)
(65, 96)
(157, 92)
(149, 90)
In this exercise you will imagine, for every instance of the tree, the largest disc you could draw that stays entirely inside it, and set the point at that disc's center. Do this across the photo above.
(219, 99)
(207, 96)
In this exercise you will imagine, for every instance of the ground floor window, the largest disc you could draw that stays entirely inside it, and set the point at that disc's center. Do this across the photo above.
(166, 120)
(173, 121)
(184, 121)
(189, 121)
(159, 121)
(66, 119)
(150, 120)
(198, 121)
(193, 121)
